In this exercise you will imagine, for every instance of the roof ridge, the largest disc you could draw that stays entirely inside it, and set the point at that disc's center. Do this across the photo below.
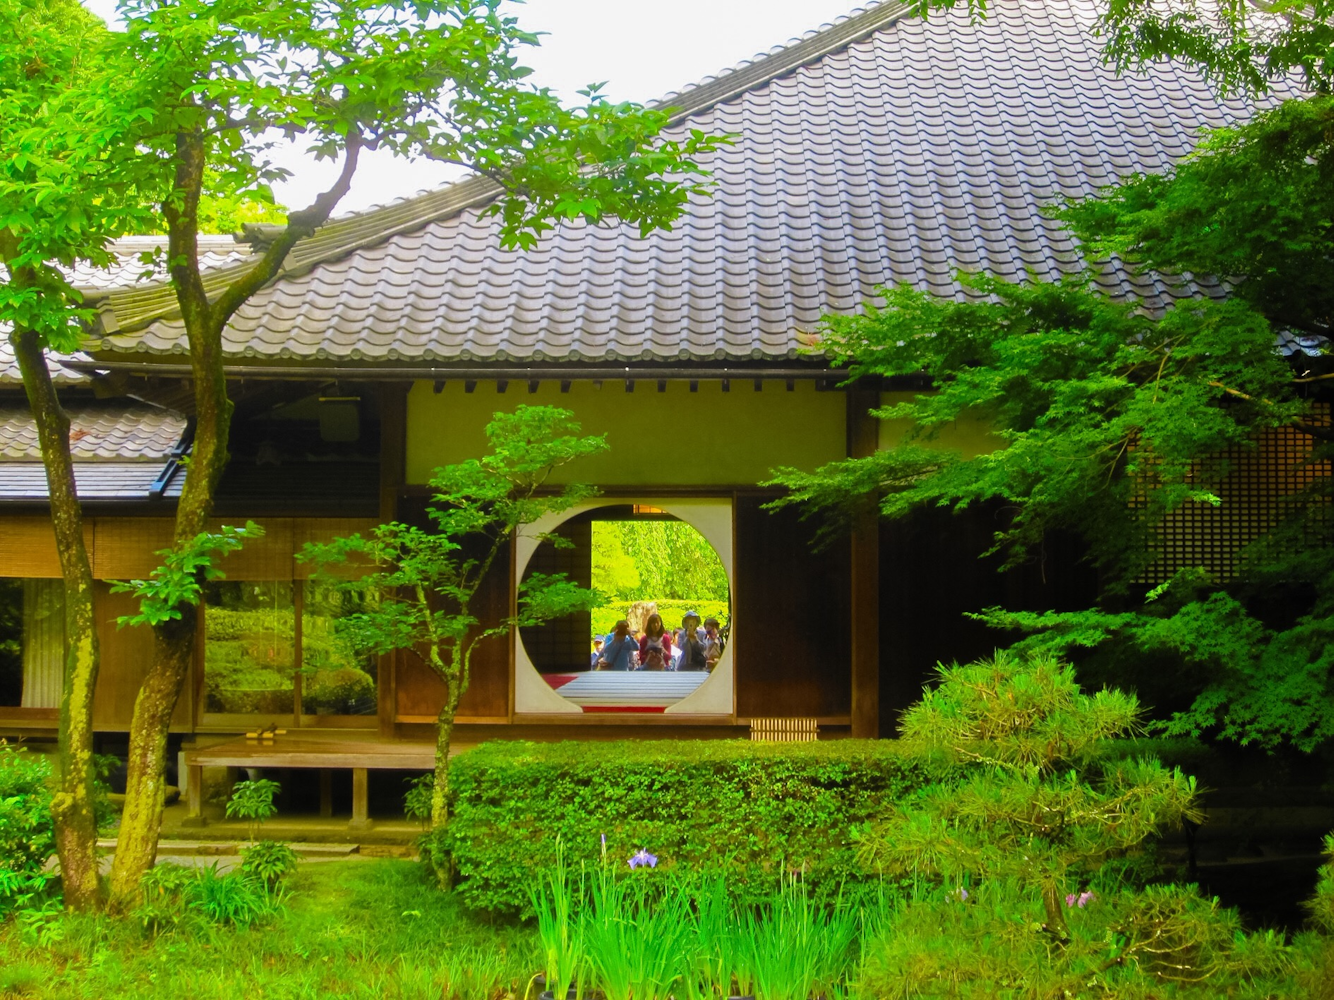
(151, 302)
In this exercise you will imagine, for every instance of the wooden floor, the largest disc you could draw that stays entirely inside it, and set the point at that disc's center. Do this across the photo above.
(361, 752)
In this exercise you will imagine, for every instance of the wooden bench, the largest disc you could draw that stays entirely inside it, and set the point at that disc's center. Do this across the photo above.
(359, 752)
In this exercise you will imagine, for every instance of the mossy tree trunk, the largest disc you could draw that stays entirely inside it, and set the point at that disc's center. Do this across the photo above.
(72, 805)
(174, 644)
(455, 675)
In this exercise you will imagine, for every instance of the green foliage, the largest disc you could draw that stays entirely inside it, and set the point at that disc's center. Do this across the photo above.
(651, 560)
(1254, 206)
(180, 579)
(750, 810)
(252, 801)
(268, 861)
(1102, 411)
(1035, 803)
(27, 837)
(233, 899)
(604, 618)
(1164, 942)
(650, 934)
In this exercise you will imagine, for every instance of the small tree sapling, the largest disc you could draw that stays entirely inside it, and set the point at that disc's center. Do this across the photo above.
(426, 579)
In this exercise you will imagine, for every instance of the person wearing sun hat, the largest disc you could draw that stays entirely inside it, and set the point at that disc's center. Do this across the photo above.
(690, 644)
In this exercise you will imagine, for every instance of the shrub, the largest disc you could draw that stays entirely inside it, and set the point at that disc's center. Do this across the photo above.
(269, 861)
(233, 898)
(27, 837)
(750, 810)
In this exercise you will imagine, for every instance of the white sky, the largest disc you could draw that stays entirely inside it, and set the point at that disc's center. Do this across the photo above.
(641, 51)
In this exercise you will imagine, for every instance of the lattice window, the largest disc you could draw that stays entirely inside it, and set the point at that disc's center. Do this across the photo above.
(1255, 495)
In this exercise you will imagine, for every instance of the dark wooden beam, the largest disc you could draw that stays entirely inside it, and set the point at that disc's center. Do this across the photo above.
(532, 386)
(469, 385)
(863, 439)
(502, 385)
(393, 476)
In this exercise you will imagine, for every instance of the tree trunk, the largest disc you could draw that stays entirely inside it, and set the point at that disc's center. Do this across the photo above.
(204, 321)
(72, 806)
(141, 822)
(455, 684)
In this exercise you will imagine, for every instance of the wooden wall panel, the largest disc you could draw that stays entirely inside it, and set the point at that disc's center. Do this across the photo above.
(931, 576)
(124, 547)
(793, 618)
(126, 653)
(419, 694)
(28, 547)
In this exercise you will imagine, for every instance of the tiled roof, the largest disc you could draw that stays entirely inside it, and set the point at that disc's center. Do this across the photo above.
(97, 434)
(25, 482)
(884, 149)
(9, 366)
(127, 270)
(129, 267)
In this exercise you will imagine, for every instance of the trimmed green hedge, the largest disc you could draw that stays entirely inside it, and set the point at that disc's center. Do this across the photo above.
(753, 810)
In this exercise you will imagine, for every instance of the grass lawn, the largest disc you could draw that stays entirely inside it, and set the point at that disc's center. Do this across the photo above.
(372, 929)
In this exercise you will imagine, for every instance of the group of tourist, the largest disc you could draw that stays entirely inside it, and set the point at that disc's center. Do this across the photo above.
(694, 646)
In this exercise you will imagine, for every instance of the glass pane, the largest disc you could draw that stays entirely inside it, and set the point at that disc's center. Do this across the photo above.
(32, 642)
(249, 659)
(335, 678)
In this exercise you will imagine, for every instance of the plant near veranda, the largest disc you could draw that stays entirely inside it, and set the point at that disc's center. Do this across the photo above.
(1036, 804)
(636, 934)
(231, 898)
(252, 801)
(792, 948)
(427, 577)
(27, 835)
(268, 861)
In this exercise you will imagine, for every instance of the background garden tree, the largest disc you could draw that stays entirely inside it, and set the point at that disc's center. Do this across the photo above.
(211, 87)
(1111, 417)
(48, 219)
(423, 580)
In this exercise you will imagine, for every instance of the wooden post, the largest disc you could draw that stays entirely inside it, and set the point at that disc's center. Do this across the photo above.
(393, 474)
(863, 439)
(194, 796)
(326, 793)
(360, 810)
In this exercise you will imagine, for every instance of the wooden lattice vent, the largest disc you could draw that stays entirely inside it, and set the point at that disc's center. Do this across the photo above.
(784, 730)
(1258, 487)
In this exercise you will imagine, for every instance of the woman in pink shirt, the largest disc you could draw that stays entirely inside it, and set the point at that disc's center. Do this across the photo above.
(655, 645)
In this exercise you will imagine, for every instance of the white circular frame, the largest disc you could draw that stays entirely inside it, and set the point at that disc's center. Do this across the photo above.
(712, 518)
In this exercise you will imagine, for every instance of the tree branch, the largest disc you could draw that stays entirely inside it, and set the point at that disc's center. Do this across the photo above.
(299, 225)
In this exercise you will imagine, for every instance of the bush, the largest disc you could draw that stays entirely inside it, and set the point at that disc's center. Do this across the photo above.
(27, 837)
(751, 811)
(269, 861)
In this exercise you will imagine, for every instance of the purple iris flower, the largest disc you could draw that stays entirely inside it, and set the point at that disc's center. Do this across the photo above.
(1080, 900)
(960, 894)
(643, 857)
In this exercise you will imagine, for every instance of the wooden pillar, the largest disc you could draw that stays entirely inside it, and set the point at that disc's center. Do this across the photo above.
(194, 796)
(863, 438)
(326, 793)
(393, 474)
(360, 795)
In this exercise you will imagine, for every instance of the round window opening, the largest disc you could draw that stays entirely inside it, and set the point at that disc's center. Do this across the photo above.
(662, 626)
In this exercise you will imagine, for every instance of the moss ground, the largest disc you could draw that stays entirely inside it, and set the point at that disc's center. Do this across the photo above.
(357, 929)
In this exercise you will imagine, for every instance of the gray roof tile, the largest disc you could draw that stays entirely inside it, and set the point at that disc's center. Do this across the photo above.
(97, 434)
(902, 150)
